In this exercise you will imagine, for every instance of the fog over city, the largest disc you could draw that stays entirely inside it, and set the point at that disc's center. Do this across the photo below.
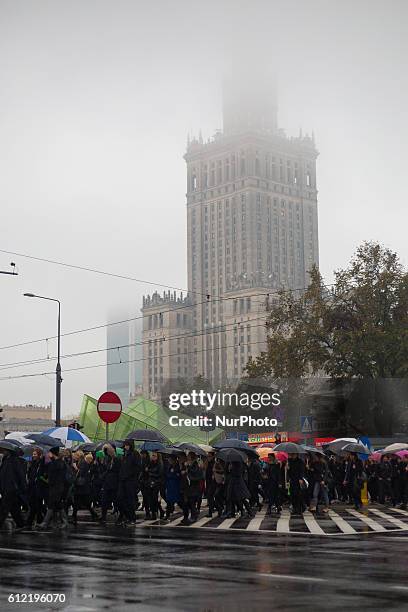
(96, 102)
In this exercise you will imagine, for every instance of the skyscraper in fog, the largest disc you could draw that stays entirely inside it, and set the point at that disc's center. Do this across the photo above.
(251, 229)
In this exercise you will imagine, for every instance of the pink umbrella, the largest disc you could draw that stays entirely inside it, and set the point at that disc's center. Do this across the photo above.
(376, 456)
(402, 453)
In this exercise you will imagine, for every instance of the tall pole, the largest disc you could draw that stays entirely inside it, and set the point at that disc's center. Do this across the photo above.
(58, 368)
(58, 373)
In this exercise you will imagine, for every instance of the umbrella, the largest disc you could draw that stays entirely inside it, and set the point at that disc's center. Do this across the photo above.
(206, 447)
(171, 450)
(115, 443)
(397, 446)
(146, 434)
(190, 447)
(7, 445)
(87, 447)
(289, 447)
(151, 446)
(18, 437)
(238, 445)
(352, 447)
(402, 453)
(66, 436)
(266, 450)
(232, 454)
(312, 449)
(42, 439)
(336, 445)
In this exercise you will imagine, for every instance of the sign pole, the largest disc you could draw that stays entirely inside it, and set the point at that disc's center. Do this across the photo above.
(107, 431)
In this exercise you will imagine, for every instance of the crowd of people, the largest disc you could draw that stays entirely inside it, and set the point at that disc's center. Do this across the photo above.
(54, 485)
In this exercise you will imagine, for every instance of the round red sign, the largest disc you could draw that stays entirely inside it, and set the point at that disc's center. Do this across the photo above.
(109, 407)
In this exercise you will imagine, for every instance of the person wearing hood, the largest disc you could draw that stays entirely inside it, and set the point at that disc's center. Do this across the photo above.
(12, 488)
(128, 482)
(56, 489)
(110, 480)
(82, 487)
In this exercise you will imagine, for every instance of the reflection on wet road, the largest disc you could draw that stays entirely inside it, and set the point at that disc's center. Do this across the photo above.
(167, 569)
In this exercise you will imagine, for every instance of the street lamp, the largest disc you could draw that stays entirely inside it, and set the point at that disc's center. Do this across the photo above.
(58, 368)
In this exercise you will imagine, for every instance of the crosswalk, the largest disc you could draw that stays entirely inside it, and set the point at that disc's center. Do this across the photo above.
(341, 521)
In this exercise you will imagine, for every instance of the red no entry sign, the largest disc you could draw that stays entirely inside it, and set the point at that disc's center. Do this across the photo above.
(109, 407)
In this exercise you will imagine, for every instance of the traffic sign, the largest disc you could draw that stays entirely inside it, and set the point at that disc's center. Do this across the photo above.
(306, 424)
(109, 407)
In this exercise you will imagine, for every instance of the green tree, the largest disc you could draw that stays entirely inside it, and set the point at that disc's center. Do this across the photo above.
(357, 330)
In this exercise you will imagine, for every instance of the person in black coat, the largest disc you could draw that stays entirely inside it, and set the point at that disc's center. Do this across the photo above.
(36, 488)
(237, 492)
(210, 484)
(110, 480)
(155, 478)
(129, 476)
(296, 473)
(13, 488)
(254, 480)
(273, 484)
(83, 485)
(353, 480)
(56, 471)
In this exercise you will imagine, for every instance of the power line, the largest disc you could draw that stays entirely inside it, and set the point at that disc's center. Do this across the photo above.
(104, 365)
(195, 334)
(105, 325)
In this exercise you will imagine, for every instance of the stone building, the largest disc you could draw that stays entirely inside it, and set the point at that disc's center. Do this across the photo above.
(252, 229)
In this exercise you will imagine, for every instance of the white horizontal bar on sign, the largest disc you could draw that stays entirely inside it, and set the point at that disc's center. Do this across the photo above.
(104, 407)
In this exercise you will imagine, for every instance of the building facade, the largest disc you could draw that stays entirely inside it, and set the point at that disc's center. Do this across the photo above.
(252, 229)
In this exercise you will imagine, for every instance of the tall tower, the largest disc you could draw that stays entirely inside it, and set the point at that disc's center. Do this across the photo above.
(251, 227)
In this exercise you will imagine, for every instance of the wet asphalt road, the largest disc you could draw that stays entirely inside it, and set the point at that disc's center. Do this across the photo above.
(160, 569)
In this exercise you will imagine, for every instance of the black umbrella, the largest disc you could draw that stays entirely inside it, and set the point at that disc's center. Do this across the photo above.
(190, 447)
(115, 443)
(146, 434)
(171, 450)
(312, 449)
(231, 454)
(289, 447)
(7, 445)
(87, 447)
(353, 447)
(43, 439)
(238, 445)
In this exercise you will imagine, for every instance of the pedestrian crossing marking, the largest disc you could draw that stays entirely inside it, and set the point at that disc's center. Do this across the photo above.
(366, 519)
(227, 523)
(282, 525)
(389, 518)
(202, 521)
(404, 512)
(255, 523)
(341, 523)
(312, 524)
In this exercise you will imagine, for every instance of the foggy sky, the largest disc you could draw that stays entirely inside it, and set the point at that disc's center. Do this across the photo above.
(96, 99)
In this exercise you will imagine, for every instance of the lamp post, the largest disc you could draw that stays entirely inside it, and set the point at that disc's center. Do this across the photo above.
(58, 368)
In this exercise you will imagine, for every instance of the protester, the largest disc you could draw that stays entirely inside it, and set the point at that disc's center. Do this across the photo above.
(128, 481)
(56, 472)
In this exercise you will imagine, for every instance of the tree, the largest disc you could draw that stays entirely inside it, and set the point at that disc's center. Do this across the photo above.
(357, 330)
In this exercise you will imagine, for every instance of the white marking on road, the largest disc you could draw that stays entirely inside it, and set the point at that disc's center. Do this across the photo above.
(399, 587)
(255, 523)
(341, 523)
(202, 521)
(389, 518)
(226, 524)
(367, 520)
(312, 524)
(175, 522)
(400, 511)
(282, 525)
